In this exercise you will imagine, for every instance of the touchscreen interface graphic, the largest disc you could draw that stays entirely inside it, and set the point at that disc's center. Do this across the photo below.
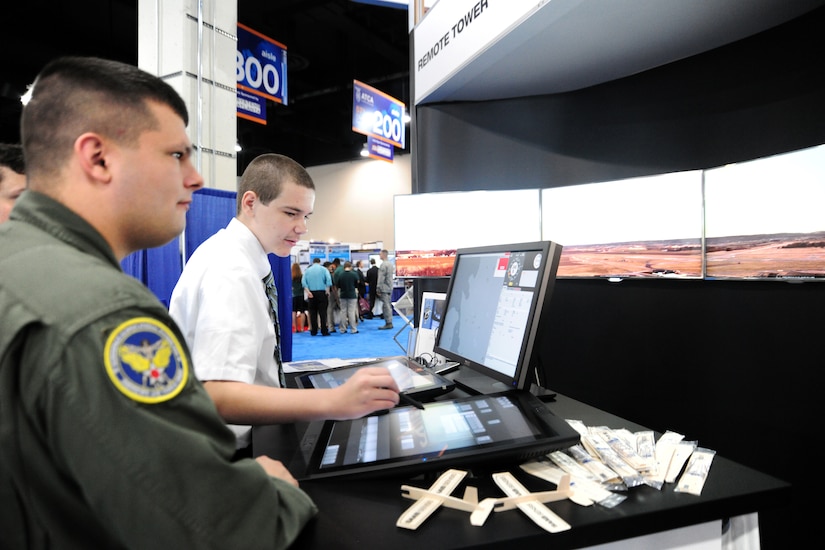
(440, 429)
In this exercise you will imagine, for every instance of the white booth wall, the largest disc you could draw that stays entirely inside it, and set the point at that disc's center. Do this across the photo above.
(354, 200)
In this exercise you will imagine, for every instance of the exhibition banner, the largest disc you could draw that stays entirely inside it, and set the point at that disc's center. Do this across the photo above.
(260, 65)
(251, 107)
(379, 149)
(377, 114)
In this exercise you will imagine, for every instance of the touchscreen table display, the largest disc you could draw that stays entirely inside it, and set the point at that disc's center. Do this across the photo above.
(509, 425)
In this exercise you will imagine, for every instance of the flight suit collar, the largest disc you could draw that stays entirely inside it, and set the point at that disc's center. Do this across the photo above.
(62, 223)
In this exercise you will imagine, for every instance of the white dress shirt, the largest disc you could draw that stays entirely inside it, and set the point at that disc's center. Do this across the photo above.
(222, 309)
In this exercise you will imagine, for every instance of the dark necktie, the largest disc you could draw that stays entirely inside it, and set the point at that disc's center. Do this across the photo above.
(272, 295)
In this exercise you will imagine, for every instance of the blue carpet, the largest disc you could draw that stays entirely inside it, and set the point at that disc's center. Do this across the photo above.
(369, 342)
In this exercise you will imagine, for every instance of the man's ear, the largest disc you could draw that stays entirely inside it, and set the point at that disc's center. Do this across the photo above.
(248, 202)
(91, 152)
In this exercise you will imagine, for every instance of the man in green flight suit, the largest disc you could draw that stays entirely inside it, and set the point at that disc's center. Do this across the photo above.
(107, 439)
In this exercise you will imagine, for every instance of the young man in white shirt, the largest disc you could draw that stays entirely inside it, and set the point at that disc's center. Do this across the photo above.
(222, 308)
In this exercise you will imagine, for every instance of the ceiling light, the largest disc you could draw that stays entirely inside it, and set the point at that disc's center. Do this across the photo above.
(365, 152)
(25, 98)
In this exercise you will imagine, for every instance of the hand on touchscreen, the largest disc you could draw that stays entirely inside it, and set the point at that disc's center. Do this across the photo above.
(368, 390)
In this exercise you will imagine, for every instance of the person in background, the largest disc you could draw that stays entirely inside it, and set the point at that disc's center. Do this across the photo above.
(384, 288)
(362, 280)
(317, 281)
(12, 177)
(221, 305)
(299, 305)
(372, 284)
(107, 439)
(362, 289)
(348, 288)
(334, 302)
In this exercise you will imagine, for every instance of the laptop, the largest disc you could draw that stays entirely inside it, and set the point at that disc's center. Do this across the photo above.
(481, 429)
(413, 378)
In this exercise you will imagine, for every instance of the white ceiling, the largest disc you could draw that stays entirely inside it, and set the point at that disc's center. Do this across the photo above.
(571, 44)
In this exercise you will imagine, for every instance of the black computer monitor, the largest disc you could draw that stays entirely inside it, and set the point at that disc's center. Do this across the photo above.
(491, 315)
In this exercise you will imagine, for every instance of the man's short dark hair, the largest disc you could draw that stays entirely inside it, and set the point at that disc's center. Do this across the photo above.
(11, 156)
(74, 95)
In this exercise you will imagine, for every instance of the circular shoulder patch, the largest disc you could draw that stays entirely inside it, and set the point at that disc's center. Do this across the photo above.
(145, 361)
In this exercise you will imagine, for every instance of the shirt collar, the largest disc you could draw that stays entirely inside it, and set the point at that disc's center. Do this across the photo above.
(251, 246)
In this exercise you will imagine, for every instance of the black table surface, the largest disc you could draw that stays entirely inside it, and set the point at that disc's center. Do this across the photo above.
(361, 513)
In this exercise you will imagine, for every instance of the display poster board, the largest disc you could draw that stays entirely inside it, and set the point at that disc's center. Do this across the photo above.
(328, 252)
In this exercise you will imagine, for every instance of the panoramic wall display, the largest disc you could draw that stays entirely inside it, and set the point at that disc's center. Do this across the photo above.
(760, 219)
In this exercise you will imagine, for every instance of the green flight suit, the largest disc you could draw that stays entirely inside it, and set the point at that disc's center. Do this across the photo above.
(107, 439)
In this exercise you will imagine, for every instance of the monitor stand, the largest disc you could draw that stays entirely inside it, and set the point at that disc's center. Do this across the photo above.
(476, 383)
(542, 393)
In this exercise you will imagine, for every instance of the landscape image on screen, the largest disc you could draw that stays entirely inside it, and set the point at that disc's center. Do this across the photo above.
(678, 258)
(638, 227)
(424, 263)
(765, 218)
